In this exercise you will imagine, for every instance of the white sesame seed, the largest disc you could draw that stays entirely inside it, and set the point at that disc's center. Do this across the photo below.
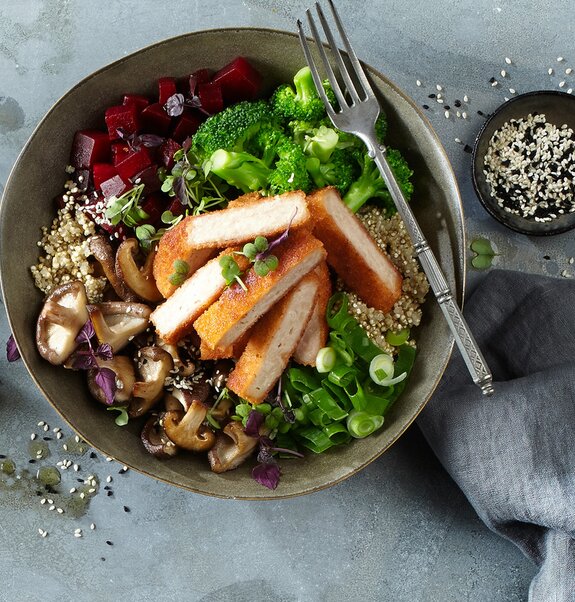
(417, 83)
(65, 447)
(92, 526)
(33, 436)
(440, 96)
(440, 101)
(76, 467)
(512, 90)
(45, 534)
(91, 490)
(464, 115)
(503, 73)
(56, 429)
(43, 501)
(46, 427)
(568, 71)
(550, 71)
(93, 483)
(570, 90)
(571, 260)
(457, 140)
(446, 114)
(560, 59)
(59, 511)
(505, 98)
(40, 531)
(508, 60)
(108, 459)
(41, 423)
(438, 87)
(50, 501)
(495, 83)
(125, 467)
(77, 439)
(82, 495)
(73, 490)
(458, 113)
(108, 479)
(561, 84)
(77, 535)
(52, 507)
(465, 98)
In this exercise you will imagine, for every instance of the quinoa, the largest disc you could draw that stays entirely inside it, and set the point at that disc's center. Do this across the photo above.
(65, 251)
(529, 165)
(390, 235)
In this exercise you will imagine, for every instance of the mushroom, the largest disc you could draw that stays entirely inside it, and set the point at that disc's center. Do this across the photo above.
(125, 379)
(140, 280)
(117, 322)
(103, 252)
(231, 448)
(188, 430)
(184, 367)
(61, 319)
(154, 366)
(155, 439)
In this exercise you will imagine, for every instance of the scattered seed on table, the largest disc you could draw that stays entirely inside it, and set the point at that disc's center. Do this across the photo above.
(494, 84)
(457, 140)
(52, 507)
(126, 509)
(457, 103)
(46, 427)
(108, 542)
(571, 260)
(570, 90)
(102, 558)
(58, 435)
(109, 493)
(43, 501)
(425, 107)
(458, 113)
(550, 71)
(440, 101)
(446, 114)
(560, 59)
(467, 148)
(76, 467)
(466, 98)
(41, 423)
(82, 495)
(92, 526)
(56, 429)
(561, 84)
(508, 60)
(109, 479)
(32, 436)
(417, 83)
(93, 455)
(503, 73)
(59, 510)
(438, 87)
(512, 90)
(73, 490)
(77, 439)
(65, 447)
(108, 459)
(505, 98)
(50, 501)
(464, 115)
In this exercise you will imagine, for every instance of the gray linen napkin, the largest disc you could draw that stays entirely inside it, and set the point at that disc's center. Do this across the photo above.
(513, 454)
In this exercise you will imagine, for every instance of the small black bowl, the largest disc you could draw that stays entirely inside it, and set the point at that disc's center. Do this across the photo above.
(559, 109)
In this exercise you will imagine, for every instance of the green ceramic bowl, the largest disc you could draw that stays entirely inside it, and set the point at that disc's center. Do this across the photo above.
(38, 177)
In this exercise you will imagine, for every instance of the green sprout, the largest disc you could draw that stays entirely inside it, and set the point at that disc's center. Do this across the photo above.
(231, 271)
(484, 254)
(126, 208)
(122, 418)
(256, 253)
(181, 270)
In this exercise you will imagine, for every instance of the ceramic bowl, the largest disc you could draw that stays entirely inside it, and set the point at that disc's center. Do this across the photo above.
(559, 109)
(38, 177)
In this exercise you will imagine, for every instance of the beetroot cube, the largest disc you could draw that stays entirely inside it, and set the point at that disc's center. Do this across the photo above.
(239, 80)
(202, 76)
(155, 120)
(166, 153)
(120, 150)
(149, 178)
(102, 172)
(89, 147)
(115, 186)
(154, 205)
(141, 102)
(211, 97)
(187, 125)
(122, 117)
(82, 178)
(177, 208)
(166, 88)
(134, 163)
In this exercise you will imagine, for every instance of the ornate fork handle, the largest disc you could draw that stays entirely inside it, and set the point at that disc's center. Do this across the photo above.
(468, 347)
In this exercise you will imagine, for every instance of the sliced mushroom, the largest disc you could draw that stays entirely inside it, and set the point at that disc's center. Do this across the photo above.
(155, 365)
(140, 280)
(188, 430)
(61, 319)
(155, 439)
(117, 322)
(103, 252)
(125, 379)
(184, 367)
(232, 447)
(172, 404)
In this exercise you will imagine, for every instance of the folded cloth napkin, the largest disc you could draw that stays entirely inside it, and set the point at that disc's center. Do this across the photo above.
(513, 454)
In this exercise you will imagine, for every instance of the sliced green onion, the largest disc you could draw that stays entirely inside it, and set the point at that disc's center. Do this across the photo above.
(302, 381)
(397, 338)
(337, 433)
(381, 369)
(325, 402)
(315, 439)
(342, 375)
(341, 347)
(319, 417)
(356, 395)
(325, 359)
(362, 424)
(338, 393)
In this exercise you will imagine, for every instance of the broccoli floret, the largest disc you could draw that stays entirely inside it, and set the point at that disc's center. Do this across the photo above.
(303, 103)
(290, 171)
(231, 128)
(370, 184)
(321, 143)
(240, 169)
(340, 171)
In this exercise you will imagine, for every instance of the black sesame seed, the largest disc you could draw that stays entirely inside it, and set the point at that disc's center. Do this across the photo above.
(467, 148)
(102, 559)
(481, 113)
(107, 487)
(108, 542)
(121, 471)
(47, 438)
(126, 509)
(446, 107)
(2, 457)
(457, 103)
(425, 107)
(492, 80)
(93, 455)
(109, 493)
(31, 461)
(431, 96)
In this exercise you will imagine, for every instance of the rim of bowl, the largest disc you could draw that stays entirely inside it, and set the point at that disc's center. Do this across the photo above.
(457, 200)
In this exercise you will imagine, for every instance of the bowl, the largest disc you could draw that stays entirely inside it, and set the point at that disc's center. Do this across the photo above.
(39, 175)
(559, 109)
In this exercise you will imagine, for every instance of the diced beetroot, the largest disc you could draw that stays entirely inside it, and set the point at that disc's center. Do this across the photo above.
(83, 179)
(134, 163)
(187, 125)
(102, 172)
(166, 153)
(120, 150)
(239, 80)
(122, 117)
(117, 233)
(203, 76)
(148, 177)
(166, 88)
(177, 208)
(115, 186)
(89, 147)
(154, 205)
(141, 102)
(211, 97)
(155, 120)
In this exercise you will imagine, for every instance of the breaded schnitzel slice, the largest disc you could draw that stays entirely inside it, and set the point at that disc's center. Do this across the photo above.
(353, 253)
(174, 318)
(273, 341)
(315, 334)
(225, 322)
(196, 237)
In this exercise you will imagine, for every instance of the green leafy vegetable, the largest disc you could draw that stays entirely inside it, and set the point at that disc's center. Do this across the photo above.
(231, 271)
(484, 253)
(126, 208)
(122, 418)
(181, 270)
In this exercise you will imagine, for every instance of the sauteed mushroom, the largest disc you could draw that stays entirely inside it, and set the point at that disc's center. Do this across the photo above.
(140, 280)
(117, 322)
(232, 447)
(155, 439)
(125, 379)
(155, 365)
(188, 430)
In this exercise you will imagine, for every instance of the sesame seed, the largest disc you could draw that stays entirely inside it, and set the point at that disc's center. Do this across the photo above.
(418, 83)
(108, 542)
(561, 84)
(65, 447)
(512, 90)
(56, 429)
(503, 73)
(52, 507)
(126, 509)
(571, 260)
(50, 501)
(59, 510)
(77, 534)
(570, 90)
(568, 71)
(440, 101)
(495, 83)
(92, 526)
(108, 479)
(33, 436)
(108, 459)
(550, 71)
(457, 140)
(43, 501)
(46, 427)
(41, 423)
(58, 435)
(465, 98)
(91, 490)
(464, 115)
(560, 59)
(438, 88)
(508, 60)
(446, 114)
(76, 467)
(73, 490)
(82, 495)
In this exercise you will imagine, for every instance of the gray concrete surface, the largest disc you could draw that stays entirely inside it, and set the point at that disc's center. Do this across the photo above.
(400, 530)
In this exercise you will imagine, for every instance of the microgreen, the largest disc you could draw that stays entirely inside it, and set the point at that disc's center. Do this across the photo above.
(231, 271)
(12, 353)
(177, 102)
(85, 358)
(181, 270)
(484, 254)
(122, 418)
(135, 142)
(126, 208)
(147, 234)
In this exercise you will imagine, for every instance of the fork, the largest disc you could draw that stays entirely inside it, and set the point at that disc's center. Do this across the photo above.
(358, 111)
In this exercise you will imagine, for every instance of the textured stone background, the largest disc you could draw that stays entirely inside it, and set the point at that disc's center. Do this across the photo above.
(400, 530)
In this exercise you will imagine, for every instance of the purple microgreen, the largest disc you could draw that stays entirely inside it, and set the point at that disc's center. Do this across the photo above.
(175, 105)
(276, 241)
(267, 474)
(265, 455)
(106, 380)
(84, 359)
(12, 353)
(267, 448)
(288, 413)
(104, 351)
(193, 85)
(148, 140)
(179, 187)
(86, 334)
(255, 420)
(187, 144)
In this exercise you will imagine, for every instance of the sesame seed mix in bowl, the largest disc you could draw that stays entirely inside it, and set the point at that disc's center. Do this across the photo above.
(529, 165)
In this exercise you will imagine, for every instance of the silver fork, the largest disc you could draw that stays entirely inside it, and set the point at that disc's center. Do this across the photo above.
(358, 111)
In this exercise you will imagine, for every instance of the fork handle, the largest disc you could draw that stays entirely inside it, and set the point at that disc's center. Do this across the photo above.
(472, 356)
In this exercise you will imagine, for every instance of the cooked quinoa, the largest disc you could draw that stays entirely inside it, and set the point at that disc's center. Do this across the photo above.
(390, 235)
(65, 251)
